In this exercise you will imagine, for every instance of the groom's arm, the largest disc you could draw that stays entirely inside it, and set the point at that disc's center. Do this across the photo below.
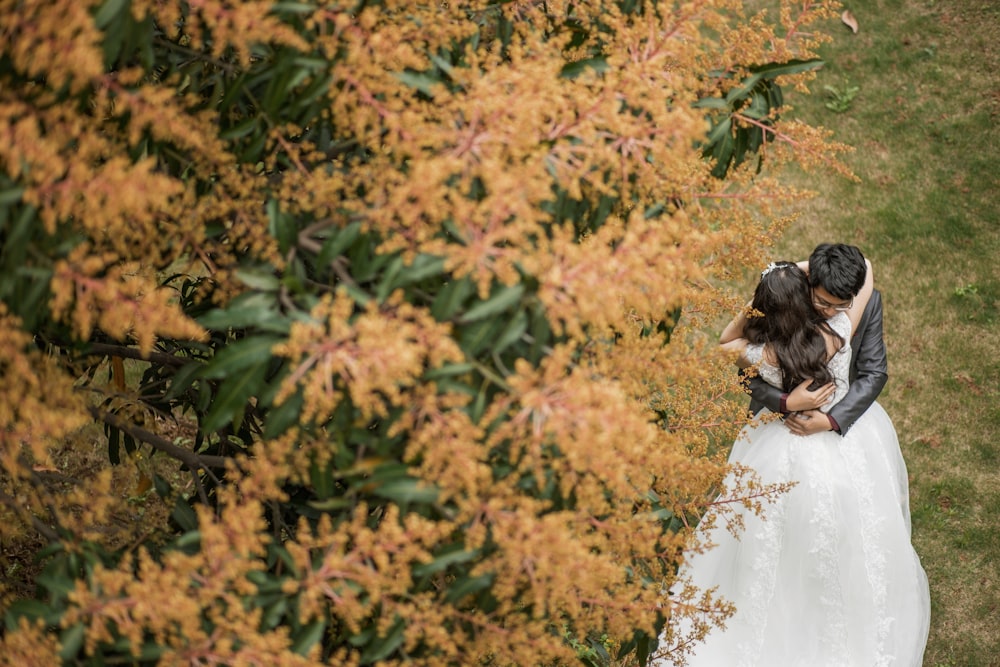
(774, 399)
(872, 370)
(764, 394)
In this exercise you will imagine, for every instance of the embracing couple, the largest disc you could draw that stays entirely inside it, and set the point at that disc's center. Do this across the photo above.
(828, 577)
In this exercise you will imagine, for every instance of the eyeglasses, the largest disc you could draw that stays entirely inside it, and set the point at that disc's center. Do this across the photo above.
(839, 307)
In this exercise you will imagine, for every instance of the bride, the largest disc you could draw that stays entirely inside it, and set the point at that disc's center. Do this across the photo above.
(827, 577)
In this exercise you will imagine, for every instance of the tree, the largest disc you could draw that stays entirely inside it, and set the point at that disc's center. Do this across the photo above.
(426, 279)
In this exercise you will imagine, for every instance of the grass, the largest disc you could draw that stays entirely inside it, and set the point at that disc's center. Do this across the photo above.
(925, 122)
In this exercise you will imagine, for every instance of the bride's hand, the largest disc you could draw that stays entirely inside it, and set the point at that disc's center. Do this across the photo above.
(801, 399)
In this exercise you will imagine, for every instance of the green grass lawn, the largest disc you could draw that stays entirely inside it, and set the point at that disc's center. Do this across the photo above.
(925, 122)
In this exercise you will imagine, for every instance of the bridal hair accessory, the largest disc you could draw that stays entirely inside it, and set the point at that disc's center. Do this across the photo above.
(770, 267)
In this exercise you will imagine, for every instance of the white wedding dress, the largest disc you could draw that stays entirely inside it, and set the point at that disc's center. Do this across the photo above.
(828, 578)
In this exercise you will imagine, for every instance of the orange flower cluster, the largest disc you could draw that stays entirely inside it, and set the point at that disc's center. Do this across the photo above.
(431, 278)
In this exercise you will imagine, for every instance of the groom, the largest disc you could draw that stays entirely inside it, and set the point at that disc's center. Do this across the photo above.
(836, 274)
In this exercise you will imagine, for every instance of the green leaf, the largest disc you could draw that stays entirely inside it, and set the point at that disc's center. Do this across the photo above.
(284, 416)
(774, 70)
(281, 225)
(71, 639)
(775, 98)
(448, 370)
(406, 491)
(359, 295)
(469, 586)
(182, 379)
(30, 306)
(330, 504)
(741, 145)
(308, 636)
(451, 386)
(231, 400)
(108, 11)
(758, 109)
(192, 538)
(382, 647)
(276, 553)
(386, 285)
(244, 311)
(723, 153)
(273, 612)
(251, 153)
(29, 609)
(711, 103)
(293, 8)
(308, 95)
(148, 652)
(512, 333)
(258, 279)
(574, 69)
(321, 479)
(17, 238)
(441, 63)
(185, 517)
(55, 583)
(162, 486)
(244, 353)
(453, 555)
(770, 71)
(499, 301)
(541, 334)
(338, 242)
(740, 92)
(389, 471)
(478, 336)
(422, 268)
(296, 78)
(420, 80)
(720, 131)
(114, 444)
(366, 262)
(11, 196)
(236, 88)
(240, 130)
(451, 297)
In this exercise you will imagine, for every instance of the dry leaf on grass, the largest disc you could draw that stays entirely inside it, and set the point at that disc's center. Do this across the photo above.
(848, 18)
(969, 383)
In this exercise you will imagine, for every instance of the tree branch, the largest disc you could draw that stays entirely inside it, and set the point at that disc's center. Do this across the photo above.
(162, 358)
(36, 523)
(192, 459)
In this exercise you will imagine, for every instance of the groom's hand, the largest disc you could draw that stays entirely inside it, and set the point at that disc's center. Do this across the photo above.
(808, 422)
(801, 399)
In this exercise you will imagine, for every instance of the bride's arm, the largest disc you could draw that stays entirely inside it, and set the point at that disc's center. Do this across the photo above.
(738, 346)
(734, 329)
(861, 299)
(732, 340)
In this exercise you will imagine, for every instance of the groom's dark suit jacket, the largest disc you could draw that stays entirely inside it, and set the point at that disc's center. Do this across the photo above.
(869, 371)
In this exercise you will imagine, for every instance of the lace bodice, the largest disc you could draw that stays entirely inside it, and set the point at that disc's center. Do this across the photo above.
(839, 365)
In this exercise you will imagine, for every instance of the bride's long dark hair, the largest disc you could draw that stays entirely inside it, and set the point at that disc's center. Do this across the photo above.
(790, 325)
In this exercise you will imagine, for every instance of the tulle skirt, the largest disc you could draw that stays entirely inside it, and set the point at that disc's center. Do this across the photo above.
(829, 576)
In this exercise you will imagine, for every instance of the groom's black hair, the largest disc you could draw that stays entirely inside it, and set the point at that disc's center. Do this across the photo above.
(838, 268)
